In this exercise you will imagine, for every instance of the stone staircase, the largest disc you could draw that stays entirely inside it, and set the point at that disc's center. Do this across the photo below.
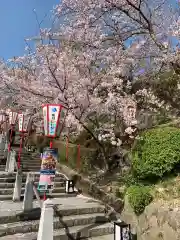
(30, 162)
(75, 217)
(7, 181)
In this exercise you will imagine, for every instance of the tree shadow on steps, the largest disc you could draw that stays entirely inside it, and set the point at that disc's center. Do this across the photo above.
(81, 233)
(33, 214)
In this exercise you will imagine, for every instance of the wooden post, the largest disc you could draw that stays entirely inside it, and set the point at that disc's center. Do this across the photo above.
(78, 157)
(67, 148)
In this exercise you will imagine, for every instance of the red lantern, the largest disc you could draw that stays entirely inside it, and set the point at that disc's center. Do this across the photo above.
(53, 116)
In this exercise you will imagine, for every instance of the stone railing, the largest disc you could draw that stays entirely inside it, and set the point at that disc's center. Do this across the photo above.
(47, 212)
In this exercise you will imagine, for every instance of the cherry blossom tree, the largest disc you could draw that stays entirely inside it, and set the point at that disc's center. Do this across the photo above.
(92, 71)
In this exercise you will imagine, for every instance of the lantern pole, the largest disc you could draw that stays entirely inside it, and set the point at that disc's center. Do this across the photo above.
(10, 138)
(20, 150)
(23, 128)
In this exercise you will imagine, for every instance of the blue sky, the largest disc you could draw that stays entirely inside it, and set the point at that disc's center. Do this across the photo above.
(18, 21)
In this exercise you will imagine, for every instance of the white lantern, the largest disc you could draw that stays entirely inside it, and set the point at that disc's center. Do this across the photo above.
(3, 117)
(130, 115)
(23, 122)
(122, 231)
(12, 117)
(53, 115)
(69, 186)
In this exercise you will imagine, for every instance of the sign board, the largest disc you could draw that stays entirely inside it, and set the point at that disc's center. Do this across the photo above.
(48, 170)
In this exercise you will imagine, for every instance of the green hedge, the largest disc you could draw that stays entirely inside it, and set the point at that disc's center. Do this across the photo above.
(156, 153)
(139, 197)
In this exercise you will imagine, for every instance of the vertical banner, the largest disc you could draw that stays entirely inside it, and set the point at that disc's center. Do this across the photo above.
(48, 170)
(20, 116)
(26, 123)
(10, 117)
(45, 116)
(54, 112)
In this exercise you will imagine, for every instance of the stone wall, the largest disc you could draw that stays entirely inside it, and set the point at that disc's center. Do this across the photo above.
(160, 220)
(91, 189)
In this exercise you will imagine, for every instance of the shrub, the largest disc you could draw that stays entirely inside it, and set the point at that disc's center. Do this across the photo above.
(156, 153)
(139, 197)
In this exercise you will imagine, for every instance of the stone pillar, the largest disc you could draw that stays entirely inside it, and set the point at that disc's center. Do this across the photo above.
(6, 142)
(8, 161)
(45, 231)
(5, 146)
(37, 195)
(28, 194)
(2, 143)
(12, 161)
(17, 187)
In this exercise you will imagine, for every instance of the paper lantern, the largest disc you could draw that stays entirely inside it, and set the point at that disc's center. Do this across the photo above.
(3, 117)
(23, 122)
(122, 231)
(12, 117)
(53, 116)
(69, 186)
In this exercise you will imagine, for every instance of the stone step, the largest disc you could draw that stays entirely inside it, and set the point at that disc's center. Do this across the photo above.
(29, 156)
(9, 191)
(36, 174)
(30, 169)
(76, 232)
(12, 179)
(31, 164)
(11, 185)
(68, 221)
(51, 195)
(64, 210)
(31, 161)
(105, 237)
(7, 179)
